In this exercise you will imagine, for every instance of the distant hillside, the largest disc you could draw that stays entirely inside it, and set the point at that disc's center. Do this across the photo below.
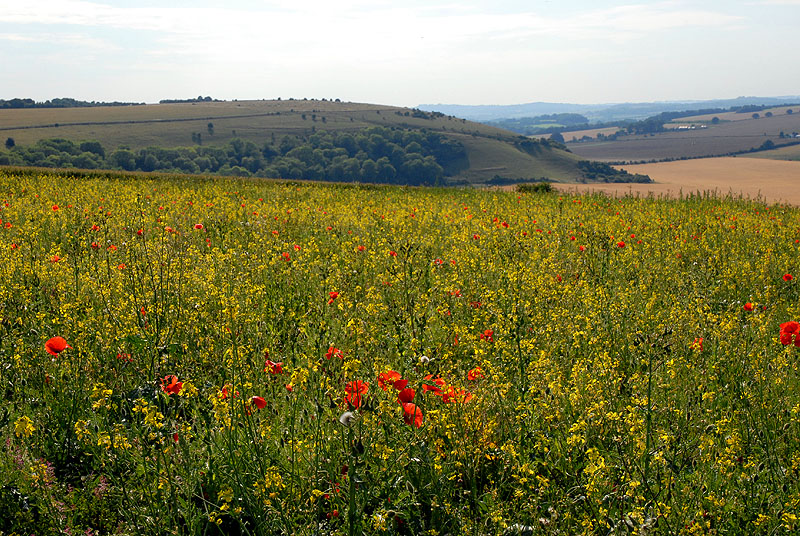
(596, 113)
(306, 139)
(699, 136)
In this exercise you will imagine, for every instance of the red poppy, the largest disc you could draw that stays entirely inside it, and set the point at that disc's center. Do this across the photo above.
(788, 277)
(334, 352)
(225, 393)
(393, 253)
(400, 384)
(436, 388)
(456, 395)
(387, 378)
(620, 244)
(697, 344)
(198, 226)
(332, 295)
(474, 374)
(272, 367)
(55, 258)
(361, 248)
(55, 207)
(258, 402)
(748, 306)
(406, 395)
(487, 335)
(171, 385)
(354, 391)
(790, 333)
(56, 345)
(412, 415)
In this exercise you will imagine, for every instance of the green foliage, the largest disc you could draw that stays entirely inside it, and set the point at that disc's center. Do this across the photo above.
(602, 172)
(534, 188)
(377, 154)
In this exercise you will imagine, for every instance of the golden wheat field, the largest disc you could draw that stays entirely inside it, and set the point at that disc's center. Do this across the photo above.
(773, 181)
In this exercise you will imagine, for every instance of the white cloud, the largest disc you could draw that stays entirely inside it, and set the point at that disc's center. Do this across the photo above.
(59, 39)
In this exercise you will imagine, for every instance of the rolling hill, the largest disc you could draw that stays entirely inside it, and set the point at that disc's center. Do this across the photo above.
(492, 155)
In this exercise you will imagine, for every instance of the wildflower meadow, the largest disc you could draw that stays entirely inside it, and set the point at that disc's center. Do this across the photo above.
(212, 356)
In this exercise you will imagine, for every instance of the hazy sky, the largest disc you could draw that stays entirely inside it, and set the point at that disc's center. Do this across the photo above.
(400, 52)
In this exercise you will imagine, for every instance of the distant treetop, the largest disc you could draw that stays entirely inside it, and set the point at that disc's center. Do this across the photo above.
(60, 103)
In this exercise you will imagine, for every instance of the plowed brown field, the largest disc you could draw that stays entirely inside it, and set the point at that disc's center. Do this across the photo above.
(774, 181)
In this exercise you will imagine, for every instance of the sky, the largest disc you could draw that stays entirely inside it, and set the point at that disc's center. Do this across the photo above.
(402, 53)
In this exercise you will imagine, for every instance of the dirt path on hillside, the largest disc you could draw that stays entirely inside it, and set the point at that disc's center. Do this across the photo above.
(775, 181)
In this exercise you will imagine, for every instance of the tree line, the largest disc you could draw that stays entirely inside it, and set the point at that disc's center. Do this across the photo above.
(60, 103)
(396, 156)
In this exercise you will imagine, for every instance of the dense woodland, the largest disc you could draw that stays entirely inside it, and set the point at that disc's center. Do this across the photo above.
(394, 156)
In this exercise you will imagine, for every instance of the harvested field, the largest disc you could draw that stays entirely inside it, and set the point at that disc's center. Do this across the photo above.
(592, 133)
(735, 116)
(716, 140)
(774, 181)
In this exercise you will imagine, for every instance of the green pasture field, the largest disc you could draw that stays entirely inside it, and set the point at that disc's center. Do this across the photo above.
(209, 356)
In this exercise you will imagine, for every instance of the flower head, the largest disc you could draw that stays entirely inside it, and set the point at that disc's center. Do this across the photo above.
(354, 392)
(56, 345)
(272, 367)
(258, 402)
(171, 385)
(406, 395)
(474, 374)
(412, 415)
(334, 352)
(790, 333)
(387, 378)
(347, 418)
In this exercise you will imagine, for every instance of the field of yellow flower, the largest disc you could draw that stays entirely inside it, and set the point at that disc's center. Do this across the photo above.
(196, 356)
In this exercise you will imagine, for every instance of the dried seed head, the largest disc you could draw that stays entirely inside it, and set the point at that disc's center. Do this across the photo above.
(347, 418)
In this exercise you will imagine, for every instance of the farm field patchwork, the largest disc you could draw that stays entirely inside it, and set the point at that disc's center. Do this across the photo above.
(716, 140)
(186, 355)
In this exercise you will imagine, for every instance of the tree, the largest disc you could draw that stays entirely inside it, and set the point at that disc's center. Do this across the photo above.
(768, 114)
(715, 120)
(557, 136)
(756, 116)
(10, 143)
(211, 129)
